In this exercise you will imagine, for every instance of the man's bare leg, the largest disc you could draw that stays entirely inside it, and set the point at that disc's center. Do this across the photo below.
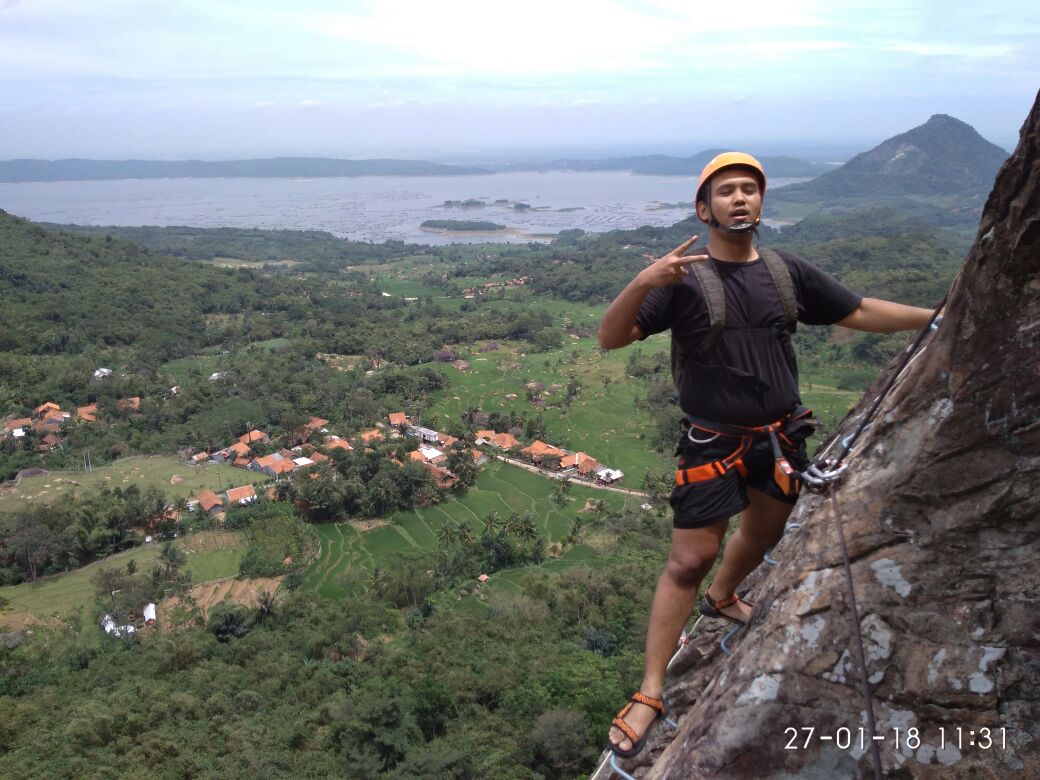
(761, 526)
(691, 557)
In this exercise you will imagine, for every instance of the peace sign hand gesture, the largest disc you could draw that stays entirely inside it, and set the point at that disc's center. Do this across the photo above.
(671, 268)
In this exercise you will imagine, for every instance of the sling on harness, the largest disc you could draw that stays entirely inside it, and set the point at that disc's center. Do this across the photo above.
(790, 429)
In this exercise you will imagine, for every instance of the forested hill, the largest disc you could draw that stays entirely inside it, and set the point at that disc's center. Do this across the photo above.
(942, 157)
(67, 293)
(279, 167)
(313, 249)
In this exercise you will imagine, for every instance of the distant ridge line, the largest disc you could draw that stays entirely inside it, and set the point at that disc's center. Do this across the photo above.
(77, 169)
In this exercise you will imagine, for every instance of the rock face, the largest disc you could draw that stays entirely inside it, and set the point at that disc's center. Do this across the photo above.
(941, 509)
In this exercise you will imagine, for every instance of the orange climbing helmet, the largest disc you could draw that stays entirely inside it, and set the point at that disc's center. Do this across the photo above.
(731, 160)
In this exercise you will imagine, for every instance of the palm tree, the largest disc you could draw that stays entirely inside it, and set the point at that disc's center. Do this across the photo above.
(465, 533)
(527, 529)
(491, 523)
(449, 532)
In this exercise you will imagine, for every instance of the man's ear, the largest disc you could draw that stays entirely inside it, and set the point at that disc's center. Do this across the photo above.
(703, 212)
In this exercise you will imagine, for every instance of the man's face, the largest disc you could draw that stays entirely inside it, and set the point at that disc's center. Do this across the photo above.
(735, 198)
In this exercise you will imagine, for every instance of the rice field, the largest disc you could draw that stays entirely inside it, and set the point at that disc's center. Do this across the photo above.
(500, 488)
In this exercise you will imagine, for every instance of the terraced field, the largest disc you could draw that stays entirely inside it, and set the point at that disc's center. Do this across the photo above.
(500, 488)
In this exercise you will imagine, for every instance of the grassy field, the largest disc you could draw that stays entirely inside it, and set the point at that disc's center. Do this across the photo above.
(500, 487)
(157, 470)
(181, 368)
(211, 555)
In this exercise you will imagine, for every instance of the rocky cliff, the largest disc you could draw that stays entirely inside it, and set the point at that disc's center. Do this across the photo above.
(941, 509)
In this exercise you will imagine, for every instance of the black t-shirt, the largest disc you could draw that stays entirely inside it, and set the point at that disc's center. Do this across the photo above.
(750, 376)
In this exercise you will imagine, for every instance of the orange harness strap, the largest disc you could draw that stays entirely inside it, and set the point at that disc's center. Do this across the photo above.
(718, 468)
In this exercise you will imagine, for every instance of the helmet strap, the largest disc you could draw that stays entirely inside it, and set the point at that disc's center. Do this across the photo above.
(739, 229)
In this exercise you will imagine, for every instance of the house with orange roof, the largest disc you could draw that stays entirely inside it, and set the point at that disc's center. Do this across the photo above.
(129, 405)
(241, 496)
(336, 443)
(584, 463)
(443, 478)
(539, 450)
(485, 436)
(273, 465)
(251, 436)
(210, 502)
(317, 457)
(43, 408)
(199, 457)
(242, 462)
(87, 413)
(445, 440)
(399, 420)
(479, 458)
(316, 424)
(49, 424)
(17, 423)
(48, 443)
(505, 441)
(417, 456)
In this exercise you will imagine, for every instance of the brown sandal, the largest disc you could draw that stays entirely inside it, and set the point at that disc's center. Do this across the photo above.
(709, 607)
(637, 744)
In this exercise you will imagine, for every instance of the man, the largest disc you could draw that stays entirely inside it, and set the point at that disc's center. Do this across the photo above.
(737, 378)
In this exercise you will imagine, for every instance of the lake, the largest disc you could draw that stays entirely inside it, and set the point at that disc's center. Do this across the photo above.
(367, 208)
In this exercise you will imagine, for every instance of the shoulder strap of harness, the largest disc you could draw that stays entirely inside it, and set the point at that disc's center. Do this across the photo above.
(714, 295)
(784, 285)
(714, 298)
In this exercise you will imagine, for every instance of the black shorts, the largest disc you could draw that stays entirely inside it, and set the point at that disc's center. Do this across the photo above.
(701, 504)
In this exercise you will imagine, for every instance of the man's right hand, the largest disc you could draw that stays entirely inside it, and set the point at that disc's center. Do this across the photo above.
(671, 268)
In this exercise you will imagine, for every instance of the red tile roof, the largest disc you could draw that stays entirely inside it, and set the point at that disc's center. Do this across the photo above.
(398, 418)
(208, 499)
(506, 441)
(251, 436)
(241, 494)
(88, 412)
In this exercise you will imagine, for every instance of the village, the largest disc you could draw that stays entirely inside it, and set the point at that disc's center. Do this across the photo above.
(279, 458)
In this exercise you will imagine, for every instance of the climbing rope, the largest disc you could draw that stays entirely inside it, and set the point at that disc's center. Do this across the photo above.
(827, 477)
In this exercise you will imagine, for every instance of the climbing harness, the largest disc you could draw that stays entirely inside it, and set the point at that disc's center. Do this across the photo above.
(790, 429)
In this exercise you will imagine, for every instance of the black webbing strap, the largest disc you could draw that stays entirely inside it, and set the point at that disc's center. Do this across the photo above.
(784, 285)
(714, 299)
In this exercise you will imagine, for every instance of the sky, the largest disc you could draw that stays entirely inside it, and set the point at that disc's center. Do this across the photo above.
(472, 79)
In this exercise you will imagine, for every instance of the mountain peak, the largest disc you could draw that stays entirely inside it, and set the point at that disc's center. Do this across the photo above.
(943, 156)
